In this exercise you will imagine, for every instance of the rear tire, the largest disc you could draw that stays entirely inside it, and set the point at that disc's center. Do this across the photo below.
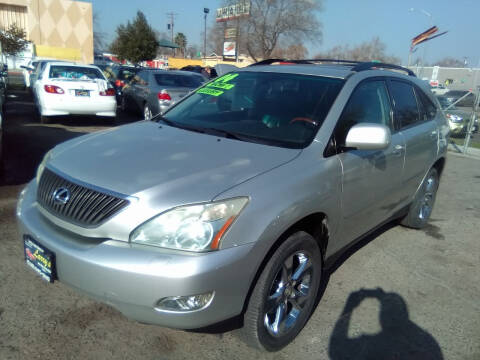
(422, 206)
(284, 295)
(147, 112)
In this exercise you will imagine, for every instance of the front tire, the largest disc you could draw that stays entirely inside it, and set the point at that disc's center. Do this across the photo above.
(284, 295)
(422, 205)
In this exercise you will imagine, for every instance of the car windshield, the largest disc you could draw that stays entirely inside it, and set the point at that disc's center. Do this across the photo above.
(179, 80)
(74, 73)
(271, 108)
(445, 102)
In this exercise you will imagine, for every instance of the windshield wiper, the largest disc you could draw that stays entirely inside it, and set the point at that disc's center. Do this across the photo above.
(163, 119)
(223, 133)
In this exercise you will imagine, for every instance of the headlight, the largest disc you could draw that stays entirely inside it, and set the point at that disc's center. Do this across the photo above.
(192, 228)
(454, 118)
(41, 167)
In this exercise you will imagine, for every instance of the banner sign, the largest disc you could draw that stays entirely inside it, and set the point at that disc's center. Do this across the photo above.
(233, 11)
(229, 48)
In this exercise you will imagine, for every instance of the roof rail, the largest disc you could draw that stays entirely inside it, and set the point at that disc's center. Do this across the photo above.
(271, 61)
(376, 65)
(357, 65)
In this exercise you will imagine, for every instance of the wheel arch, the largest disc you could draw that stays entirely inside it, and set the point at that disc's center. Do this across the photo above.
(439, 165)
(315, 224)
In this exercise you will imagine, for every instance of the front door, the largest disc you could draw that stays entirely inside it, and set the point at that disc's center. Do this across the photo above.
(372, 179)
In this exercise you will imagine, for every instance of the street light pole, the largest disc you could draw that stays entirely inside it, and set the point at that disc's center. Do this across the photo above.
(205, 11)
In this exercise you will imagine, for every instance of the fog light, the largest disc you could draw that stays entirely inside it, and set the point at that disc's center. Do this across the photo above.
(185, 303)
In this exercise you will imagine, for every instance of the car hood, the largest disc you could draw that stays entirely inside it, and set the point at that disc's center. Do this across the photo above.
(147, 159)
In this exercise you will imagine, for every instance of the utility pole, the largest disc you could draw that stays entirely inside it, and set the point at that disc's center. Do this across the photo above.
(171, 24)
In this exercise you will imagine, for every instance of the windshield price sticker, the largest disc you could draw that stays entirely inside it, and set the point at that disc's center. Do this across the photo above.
(220, 83)
(212, 92)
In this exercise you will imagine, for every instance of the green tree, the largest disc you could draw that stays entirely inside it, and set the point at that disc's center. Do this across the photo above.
(181, 40)
(136, 41)
(13, 40)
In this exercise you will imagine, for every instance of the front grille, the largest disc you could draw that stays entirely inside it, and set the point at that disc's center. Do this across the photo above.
(85, 207)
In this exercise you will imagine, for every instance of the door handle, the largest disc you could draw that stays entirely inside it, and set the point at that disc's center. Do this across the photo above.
(398, 150)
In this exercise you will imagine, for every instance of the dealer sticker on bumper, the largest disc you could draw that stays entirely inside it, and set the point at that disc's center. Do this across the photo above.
(39, 258)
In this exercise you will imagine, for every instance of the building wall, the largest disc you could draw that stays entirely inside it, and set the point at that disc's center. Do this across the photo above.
(463, 78)
(60, 29)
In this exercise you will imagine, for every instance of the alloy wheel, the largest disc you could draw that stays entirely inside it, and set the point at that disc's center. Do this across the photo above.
(288, 294)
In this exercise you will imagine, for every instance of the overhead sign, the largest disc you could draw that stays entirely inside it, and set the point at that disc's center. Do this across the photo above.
(229, 48)
(230, 33)
(233, 11)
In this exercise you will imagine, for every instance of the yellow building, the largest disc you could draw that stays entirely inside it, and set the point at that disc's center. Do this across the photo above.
(60, 29)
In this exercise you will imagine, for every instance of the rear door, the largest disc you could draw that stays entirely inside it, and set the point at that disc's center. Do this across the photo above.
(371, 178)
(418, 127)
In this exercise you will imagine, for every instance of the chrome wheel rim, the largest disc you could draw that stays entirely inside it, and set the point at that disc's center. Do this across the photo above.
(428, 198)
(288, 294)
(147, 114)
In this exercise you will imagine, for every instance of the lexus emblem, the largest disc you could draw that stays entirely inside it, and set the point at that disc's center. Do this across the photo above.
(61, 196)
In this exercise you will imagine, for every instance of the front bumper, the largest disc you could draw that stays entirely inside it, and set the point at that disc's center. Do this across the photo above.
(132, 278)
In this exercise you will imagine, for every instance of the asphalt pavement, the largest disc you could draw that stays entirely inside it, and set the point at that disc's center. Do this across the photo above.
(400, 294)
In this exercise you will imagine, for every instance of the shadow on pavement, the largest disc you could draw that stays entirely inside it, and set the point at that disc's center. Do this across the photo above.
(25, 140)
(400, 338)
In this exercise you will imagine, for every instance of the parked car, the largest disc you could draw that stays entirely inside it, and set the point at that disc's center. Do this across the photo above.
(2, 106)
(238, 198)
(458, 120)
(70, 89)
(153, 91)
(3, 84)
(454, 95)
(119, 76)
(33, 69)
(439, 89)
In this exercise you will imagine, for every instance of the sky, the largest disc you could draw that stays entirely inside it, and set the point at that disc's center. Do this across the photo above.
(350, 22)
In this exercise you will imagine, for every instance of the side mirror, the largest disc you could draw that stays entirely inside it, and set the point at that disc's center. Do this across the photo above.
(368, 136)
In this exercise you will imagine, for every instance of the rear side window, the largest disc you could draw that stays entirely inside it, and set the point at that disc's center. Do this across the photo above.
(427, 109)
(177, 80)
(126, 74)
(74, 73)
(369, 103)
(406, 109)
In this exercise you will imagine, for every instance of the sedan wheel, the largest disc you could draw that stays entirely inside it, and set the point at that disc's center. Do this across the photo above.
(284, 295)
(147, 113)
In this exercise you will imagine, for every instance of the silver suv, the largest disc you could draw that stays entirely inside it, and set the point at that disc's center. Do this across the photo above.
(239, 197)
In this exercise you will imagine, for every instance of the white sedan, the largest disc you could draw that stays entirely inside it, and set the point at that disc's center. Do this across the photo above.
(72, 89)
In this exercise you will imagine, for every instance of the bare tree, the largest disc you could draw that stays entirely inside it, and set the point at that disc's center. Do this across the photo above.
(450, 62)
(98, 36)
(373, 50)
(292, 52)
(271, 21)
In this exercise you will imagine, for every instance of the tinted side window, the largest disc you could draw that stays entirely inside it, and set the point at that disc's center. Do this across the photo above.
(429, 110)
(406, 110)
(369, 103)
(144, 75)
